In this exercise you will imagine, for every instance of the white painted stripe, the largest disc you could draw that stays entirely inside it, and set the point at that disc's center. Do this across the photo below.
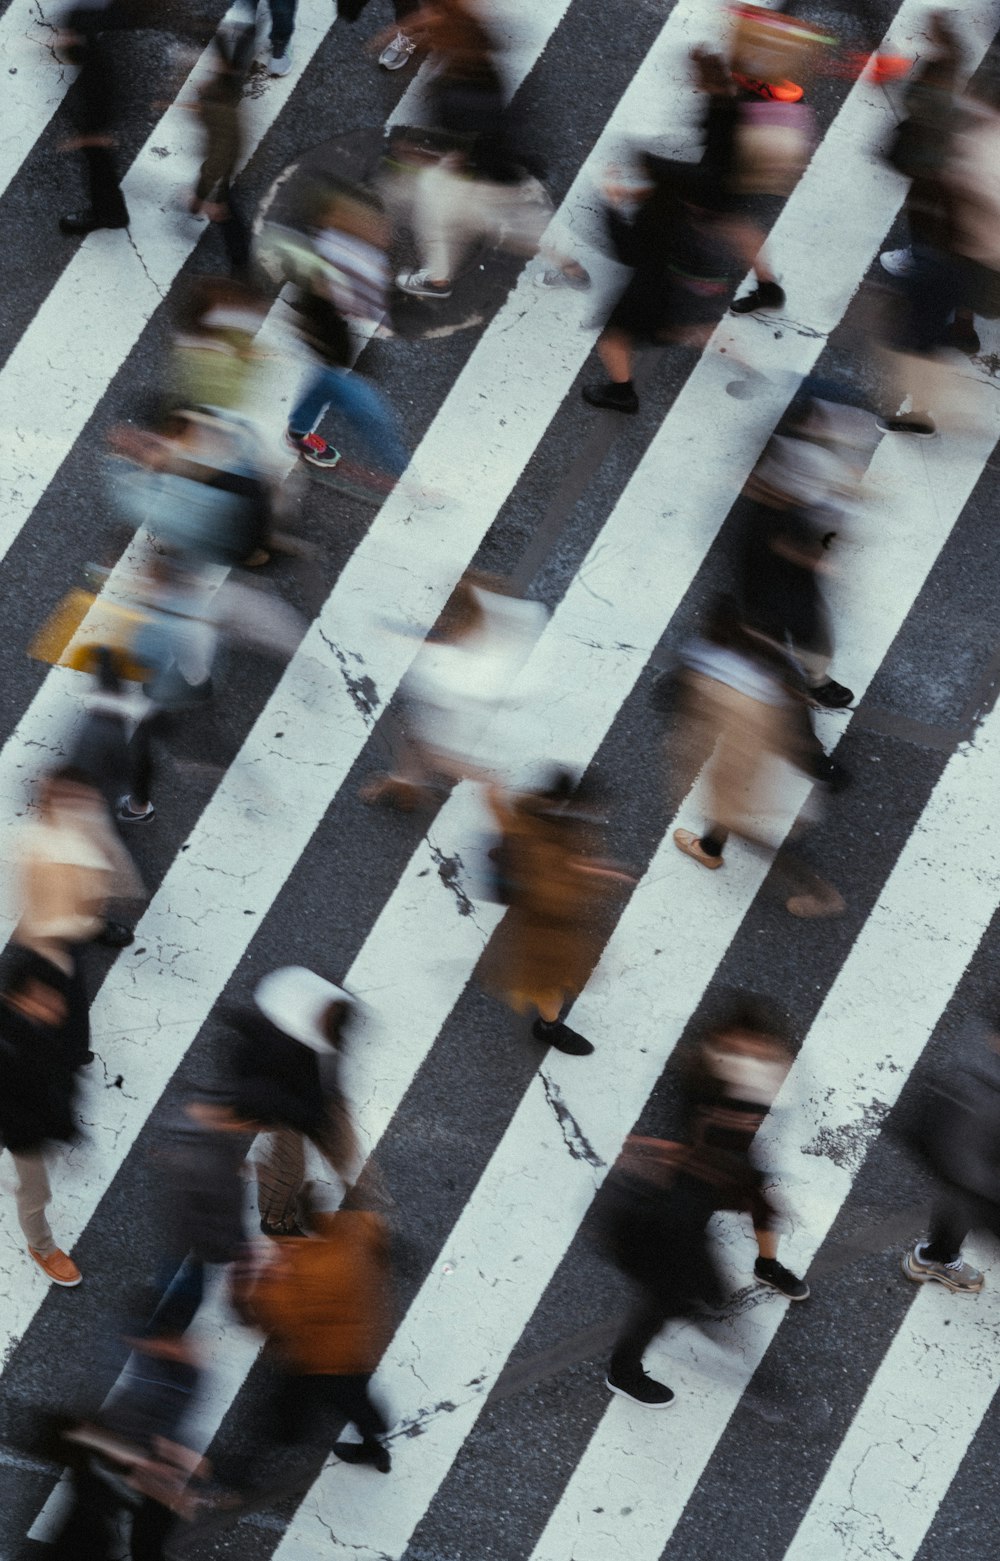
(34, 81)
(904, 1447)
(514, 1230)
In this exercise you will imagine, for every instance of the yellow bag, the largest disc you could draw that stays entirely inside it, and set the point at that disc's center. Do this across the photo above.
(79, 624)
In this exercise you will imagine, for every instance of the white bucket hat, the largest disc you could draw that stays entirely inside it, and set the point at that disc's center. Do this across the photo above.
(296, 1000)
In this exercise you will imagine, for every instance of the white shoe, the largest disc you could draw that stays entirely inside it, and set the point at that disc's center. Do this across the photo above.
(419, 284)
(395, 54)
(281, 64)
(898, 262)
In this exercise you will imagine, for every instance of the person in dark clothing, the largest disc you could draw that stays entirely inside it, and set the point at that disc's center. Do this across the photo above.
(783, 548)
(284, 1062)
(682, 269)
(90, 38)
(37, 1093)
(202, 1205)
(655, 1208)
(132, 1455)
(961, 1138)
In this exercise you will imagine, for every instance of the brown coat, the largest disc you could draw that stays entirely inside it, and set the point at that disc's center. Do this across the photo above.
(552, 935)
(324, 1300)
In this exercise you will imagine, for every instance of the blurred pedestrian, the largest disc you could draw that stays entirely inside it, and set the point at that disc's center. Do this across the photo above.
(71, 864)
(556, 889)
(682, 270)
(283, 1062)
(201, 1204)
(462, 675)
(478, 189)
(961, 1138)
(341, 275)
(785, 530)
(37, 1068)
(748, 705)
(324, 1299)
(132, 1456)
(220, 111)
(90, 38)
(736, 1073)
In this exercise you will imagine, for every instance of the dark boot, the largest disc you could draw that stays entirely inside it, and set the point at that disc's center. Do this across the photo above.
(611, 397)
(552, 1032)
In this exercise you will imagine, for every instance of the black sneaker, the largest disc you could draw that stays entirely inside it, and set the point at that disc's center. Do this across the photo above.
(115, 935)
(831, 695)
(559, 1035)
(79, 223)
(612, 398)
(364, 1452)
(919, 427)
(313, 449)
(766, 295)
(768, 1271)
(641, 1389)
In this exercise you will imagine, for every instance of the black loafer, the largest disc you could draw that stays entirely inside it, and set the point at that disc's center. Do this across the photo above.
(82, 222)
(115, 935)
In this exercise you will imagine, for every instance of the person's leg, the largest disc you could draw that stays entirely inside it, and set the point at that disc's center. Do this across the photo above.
(106, 199)
(234, 230)
(441, 218)
(281, 1172)
(626, 1374)
(152, 1527)
(182, 1290)
(370, 417)
(138, 802)
(939, 1258)
(33, 1196)
(313, 402)
(615, 351)
(350, 1397)
(768, 1271)
(713, 840)
(282, 24)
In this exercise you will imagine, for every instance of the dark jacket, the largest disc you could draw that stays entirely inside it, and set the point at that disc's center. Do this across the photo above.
(203, 1191)
(277, 1080)
(36, 1083)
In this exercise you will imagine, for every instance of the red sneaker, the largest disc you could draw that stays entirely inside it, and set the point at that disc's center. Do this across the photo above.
(774, 91)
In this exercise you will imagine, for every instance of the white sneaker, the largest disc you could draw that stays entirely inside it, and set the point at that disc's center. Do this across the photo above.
(898, 262)
(395, 54)
(419, 284)
(281, 64)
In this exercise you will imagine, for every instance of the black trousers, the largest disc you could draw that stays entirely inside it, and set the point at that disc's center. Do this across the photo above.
(303, 1404)
(106, 199)
(90, 1531)
(954, 1215)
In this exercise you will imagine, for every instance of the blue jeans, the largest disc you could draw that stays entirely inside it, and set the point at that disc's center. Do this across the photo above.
(282, 24)
(361, 405)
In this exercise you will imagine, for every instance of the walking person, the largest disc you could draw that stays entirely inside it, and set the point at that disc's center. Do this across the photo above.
(960, 1137)
(283, 1061)
(682, 272)
(652, 1213)
(220, 112)
(71, 864)
(37, 1068)
(785, 530)
(90, 39)
(748, 704)
(478, 189)
(341, 276)
(324, 1299)
(556, 889)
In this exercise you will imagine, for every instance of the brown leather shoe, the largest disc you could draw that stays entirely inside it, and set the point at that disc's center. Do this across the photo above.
(57, 1267)
(687, 841)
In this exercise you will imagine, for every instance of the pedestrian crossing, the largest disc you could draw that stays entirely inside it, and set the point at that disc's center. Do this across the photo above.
(221, 897)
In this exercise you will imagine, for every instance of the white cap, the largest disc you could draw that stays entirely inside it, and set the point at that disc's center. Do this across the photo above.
(296, 1000)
